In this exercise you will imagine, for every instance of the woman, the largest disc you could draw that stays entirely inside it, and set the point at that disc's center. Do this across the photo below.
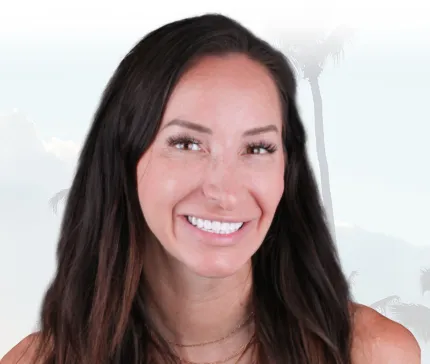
(193, 231)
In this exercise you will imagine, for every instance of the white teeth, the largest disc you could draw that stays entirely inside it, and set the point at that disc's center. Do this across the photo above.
(215, 226)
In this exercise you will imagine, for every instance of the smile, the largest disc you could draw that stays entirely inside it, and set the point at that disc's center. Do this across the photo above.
(216, 227)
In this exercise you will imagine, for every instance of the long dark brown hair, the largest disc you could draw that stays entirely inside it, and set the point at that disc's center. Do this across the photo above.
(95, 310)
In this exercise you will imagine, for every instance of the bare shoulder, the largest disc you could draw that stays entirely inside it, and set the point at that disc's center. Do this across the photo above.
(23, 352)
(377, 339)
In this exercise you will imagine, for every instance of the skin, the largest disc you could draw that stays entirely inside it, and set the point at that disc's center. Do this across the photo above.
(202, 284)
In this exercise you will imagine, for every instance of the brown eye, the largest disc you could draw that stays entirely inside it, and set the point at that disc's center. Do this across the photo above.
(188, 146)
(257, 150)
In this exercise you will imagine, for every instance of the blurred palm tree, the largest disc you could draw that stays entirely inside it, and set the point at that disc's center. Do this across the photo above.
(352, 276)
(57, 198)
(308, 56)
(425, 280)
(383, 305)
(415, 317)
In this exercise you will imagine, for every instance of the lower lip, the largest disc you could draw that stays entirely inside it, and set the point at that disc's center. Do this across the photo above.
(215, 239)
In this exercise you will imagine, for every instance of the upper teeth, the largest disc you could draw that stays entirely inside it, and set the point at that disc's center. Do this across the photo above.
(215, 226)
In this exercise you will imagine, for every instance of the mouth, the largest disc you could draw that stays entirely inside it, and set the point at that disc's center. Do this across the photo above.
(215, 227)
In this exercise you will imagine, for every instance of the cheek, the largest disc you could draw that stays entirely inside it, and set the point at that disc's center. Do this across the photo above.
(162, 182)
(271, 192)
(268, 186)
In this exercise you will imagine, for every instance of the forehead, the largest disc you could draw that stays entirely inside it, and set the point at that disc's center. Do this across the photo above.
(231, 87)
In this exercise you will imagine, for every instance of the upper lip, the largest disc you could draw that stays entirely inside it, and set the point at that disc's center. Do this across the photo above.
(216, 218)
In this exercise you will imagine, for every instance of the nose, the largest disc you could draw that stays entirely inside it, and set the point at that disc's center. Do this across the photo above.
(221, 185)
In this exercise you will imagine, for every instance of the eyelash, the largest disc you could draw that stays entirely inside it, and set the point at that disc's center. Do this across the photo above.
(181, 139)
(186, 139)
(269, 147)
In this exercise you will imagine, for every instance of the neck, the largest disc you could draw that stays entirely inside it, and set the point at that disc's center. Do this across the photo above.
(189, 309)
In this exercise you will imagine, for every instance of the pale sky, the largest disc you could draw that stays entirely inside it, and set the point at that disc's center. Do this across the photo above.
(50, 17)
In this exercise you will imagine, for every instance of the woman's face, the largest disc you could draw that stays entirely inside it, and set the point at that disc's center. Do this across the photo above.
(210, 183)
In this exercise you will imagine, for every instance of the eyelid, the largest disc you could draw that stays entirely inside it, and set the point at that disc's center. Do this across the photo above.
(181, 138)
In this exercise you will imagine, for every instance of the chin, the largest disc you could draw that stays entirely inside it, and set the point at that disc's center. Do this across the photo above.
(219, 268)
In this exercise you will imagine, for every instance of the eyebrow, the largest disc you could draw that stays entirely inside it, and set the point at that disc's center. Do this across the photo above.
(203, 129)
